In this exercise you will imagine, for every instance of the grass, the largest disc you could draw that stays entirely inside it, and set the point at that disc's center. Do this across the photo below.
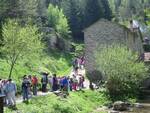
(77, 102)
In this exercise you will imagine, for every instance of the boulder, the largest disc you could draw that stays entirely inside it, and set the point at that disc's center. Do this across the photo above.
(120, 106)
(138, 105)
(113, 111)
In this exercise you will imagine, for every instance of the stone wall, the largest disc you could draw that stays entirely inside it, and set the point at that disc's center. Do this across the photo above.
(106, 32)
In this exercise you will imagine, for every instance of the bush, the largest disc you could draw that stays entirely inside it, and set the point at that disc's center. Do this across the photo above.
(122, 70)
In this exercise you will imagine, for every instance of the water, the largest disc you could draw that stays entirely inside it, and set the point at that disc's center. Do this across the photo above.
(144, 107)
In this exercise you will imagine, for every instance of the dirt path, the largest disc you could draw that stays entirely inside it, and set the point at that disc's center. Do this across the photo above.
(19, 99)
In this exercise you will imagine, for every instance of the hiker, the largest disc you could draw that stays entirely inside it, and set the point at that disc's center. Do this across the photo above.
(25, 88)
(30, 84)
(60, 82)
(44, 82)
(55, 83)
(76, 65)
(82, 63)
(70, 84)
(75, 83)
(134, 25)
(50, 81)
(1, 86)
(65, 85)
(34, 84)
(11, 90)
(81, 81)
(3, 92)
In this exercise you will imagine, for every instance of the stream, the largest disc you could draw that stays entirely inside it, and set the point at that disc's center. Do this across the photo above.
(143, 107)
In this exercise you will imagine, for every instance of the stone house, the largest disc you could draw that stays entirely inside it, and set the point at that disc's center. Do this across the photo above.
(107, 32)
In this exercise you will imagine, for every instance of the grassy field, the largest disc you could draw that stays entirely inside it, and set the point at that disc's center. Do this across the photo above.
(77, 102)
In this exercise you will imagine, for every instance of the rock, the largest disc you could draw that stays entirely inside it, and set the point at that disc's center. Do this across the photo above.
(113, 111)
(120, 106)
(138, 105)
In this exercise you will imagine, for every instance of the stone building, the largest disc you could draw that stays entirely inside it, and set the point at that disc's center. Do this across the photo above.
(107, 32)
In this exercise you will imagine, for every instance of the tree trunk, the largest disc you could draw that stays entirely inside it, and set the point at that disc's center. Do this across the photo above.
(11, 69)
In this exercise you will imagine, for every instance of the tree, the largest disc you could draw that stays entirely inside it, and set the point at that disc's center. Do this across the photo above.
(58, 21)
(18, 8)
(93, 12)
(19, 42)
(106, 9)
(121, 68)
(74, 14)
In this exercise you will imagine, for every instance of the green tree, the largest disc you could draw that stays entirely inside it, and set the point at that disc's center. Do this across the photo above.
(93, 12)
(18, 8)
(19, 42)
(106, 9)
(58, 21)
(74, 15)
(121, 69)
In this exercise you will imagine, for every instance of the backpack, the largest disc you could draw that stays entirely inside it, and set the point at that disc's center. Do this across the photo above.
(34, 80)
(44, 80)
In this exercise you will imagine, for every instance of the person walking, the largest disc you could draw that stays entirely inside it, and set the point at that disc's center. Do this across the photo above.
(44, 81)
(50, 81)
(65, 85)
(34, 84)
(0, 86)
(25, 88)
(55, 83)
(11, 90)
(30, 86)
(75, 83)
(3, 90)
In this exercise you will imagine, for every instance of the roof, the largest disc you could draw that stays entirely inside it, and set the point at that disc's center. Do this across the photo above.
(104, 20)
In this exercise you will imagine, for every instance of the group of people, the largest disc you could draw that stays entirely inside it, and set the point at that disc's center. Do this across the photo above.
(51, 83)
(31, 84)
(64, 83)
(78, 63)
(9, 89)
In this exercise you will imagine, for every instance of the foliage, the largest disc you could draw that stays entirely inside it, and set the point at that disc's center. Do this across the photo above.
(106, 9)
(74, 13)
(58, 21)
(122, 69)
(93, 12)
(77, 102)
(17, 8)
(129, 9)
(19, 42)
(78, 49)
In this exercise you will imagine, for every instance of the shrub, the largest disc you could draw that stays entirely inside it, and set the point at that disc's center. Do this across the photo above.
(122, 70)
